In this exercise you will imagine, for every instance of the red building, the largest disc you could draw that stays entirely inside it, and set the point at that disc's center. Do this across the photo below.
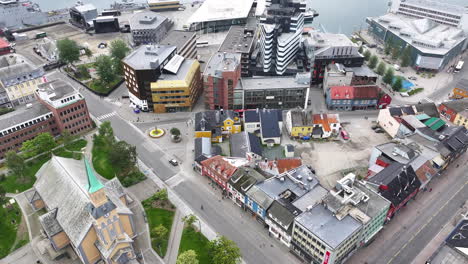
(384, 101)
(450, 109)
(398, 183)
(218, 169)
(5, 47)
(221, 76)
(59, 108)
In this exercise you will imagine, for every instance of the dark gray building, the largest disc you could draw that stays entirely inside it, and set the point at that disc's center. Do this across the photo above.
(241, 40)
(148, 27)
(185, 41)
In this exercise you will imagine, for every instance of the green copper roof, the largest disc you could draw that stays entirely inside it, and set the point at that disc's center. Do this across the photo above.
(94, 184)
(434, 123)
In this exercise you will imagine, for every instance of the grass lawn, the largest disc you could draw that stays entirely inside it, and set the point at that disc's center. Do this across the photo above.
(67, 152)
(97, 86)
(194, 240)
(10, 182)
(101, 163)
(157, 216)
(77, 145)
(10, 219)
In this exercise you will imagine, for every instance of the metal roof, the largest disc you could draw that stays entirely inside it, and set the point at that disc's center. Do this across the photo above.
(242, 143)
(321, 222)
(22, 114)
(269, 124)
(148, 57)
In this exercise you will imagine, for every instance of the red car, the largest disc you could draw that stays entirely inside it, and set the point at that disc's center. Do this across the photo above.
(344, 135)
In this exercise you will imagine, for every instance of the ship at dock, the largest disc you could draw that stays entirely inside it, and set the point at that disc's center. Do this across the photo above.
(127, 5)
(15, 14)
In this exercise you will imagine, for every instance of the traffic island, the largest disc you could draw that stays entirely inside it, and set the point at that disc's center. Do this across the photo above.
(157, 132)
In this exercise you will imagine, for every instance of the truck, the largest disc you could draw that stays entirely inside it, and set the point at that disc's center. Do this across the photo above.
(459, 66)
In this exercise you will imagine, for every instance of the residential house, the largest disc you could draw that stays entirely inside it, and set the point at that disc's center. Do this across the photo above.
(325, 125)
(462, 118)
(461, 89)
(278, 166)
(298, 123)
(453, 144)
(389, 119)
(429, 109)
(220, 169)
(245, 145)
(450, 109)
(252, 119)
(241, 181)
(204, 150)
(82, 213)
(270, 127)
(457, 240)
(216, 124)
(289, 151)
(398, 183)
(337, 74)
(352, 97)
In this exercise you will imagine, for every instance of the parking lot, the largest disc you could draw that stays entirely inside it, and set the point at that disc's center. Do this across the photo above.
(330, 158)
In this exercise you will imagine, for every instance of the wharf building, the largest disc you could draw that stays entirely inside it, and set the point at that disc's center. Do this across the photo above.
(323, 49)
(280, 29)
(142, 67)
(435, 32)
(220, 15)
(148, 27)
(83, 15)
(60, 107)
(19, 80)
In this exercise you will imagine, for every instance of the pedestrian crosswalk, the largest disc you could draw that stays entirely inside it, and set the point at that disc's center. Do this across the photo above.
(106, 116)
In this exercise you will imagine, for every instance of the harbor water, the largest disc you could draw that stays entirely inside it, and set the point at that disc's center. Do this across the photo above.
(345, 16)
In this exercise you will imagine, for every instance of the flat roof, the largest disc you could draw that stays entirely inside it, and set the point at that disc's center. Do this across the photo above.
(321, 222)
(437, 5)
(146, 20)
(177, 38)
(271, 82)
(58, 88)
(181, 73)
(424, 34)
(148, 57)
(222, 62)
(22, 114)
(215, 10)
(237, 40)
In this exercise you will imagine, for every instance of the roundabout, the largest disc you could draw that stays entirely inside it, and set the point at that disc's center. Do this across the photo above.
(156, 133)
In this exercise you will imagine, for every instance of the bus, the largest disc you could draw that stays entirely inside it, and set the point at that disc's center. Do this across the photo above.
(41, 35)
(459, 66)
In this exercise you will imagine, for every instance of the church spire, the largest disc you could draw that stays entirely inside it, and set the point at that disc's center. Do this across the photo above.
(94, 184)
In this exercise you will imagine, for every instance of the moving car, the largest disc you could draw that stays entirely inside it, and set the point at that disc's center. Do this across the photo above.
(173, 162)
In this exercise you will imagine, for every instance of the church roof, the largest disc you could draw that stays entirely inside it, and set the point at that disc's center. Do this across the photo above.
(94, 184)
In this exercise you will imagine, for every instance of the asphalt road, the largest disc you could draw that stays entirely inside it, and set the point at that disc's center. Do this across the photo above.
(222, 215)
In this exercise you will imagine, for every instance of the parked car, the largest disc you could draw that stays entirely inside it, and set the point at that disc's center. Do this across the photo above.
(374, 127)
(413, 78)
(378, 130)
(404, 94)
(173, 162)
(344, 134)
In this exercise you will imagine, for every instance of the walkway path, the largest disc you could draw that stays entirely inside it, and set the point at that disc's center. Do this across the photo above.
(174, 239)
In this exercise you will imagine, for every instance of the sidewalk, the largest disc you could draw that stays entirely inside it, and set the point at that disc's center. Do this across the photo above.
(174, 239)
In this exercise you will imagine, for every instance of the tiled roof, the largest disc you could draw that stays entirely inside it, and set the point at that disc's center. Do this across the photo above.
(284, 165)
(341, 92)
(325, 120)
(219, 163)
(366, 92)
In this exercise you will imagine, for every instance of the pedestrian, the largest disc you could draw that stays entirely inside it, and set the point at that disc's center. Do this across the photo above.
(201, 207)
(430, 190)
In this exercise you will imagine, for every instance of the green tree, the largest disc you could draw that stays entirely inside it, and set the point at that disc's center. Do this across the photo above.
(388, 77)
(187, 257)
(397, 85)
(67, 137)
(406, 57)
(88, 52)
(395, 53)
(381, 68)
(161, 195)
(104, 69)
(123, 156)
(224, 251)
(43, 142)
(175, 131)
(159, 233)
(83, 72)
(15, 163)
(2, 194)
(190, 219)
(106, 135)
(68, 51)
(367, 55)
(373, 61)
(118, 51)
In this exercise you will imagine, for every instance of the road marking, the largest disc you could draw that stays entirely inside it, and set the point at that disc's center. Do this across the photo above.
(106, 116)
(174, 181)
(422, 227)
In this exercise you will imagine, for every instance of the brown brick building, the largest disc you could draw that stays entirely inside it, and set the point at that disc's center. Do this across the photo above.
(59, 108)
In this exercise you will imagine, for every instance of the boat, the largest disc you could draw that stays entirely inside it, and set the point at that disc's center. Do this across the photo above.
(15, 14)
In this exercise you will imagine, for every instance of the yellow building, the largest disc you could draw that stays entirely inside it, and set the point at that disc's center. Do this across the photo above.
(216, 124)
(179, 88)
(85, 216)
(299, 123)
(160, 5)
(461, 119)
